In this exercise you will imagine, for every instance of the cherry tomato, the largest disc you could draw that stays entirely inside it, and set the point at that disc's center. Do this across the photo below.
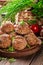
(35, 28)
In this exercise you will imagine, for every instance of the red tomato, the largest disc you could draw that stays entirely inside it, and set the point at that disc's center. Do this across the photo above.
(35, 28)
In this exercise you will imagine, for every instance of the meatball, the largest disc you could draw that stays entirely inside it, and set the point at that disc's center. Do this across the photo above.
(1, 31)
(19, 43)
(7, 28)
(5, 41)
(23, 29)
(32, 39)
(24, 15)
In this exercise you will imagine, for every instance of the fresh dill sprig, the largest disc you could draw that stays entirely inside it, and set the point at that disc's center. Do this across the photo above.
(38, 9)
(15, 6)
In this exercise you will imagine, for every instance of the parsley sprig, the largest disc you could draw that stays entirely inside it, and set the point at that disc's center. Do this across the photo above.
(9, 59)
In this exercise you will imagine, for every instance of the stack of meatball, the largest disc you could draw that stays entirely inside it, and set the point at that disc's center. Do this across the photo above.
(17, 36)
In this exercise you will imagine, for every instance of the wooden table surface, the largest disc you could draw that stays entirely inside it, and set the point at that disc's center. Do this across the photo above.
(36, 59)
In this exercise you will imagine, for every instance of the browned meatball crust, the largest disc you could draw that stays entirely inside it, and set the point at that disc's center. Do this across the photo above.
(5, 41)
(7, 28)
(1, 31)
(24, 15)
(32, 39)
(19, 43)
(23, 29)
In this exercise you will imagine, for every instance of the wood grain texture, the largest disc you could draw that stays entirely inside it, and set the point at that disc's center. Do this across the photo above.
(38, 60)
(3, 62)
(23, 61)
(19, 61)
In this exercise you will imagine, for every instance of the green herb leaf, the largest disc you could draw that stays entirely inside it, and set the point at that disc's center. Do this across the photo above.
(31, 22)
(13, 38)
(10, 49)
(11, 60)
(22, 22)
(2, 58)
(28, 46)
(38, 9)
(42, 42)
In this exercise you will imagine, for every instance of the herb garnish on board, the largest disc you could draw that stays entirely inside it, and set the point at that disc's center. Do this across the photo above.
(15, 6)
